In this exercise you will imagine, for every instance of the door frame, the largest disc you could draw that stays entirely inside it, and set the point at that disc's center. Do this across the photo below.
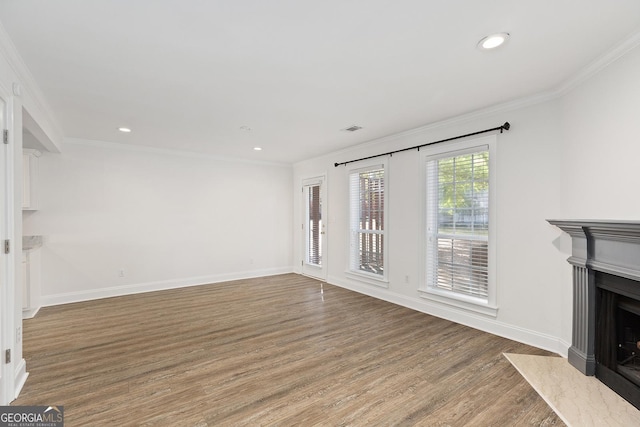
(7, 261)
(311, 270)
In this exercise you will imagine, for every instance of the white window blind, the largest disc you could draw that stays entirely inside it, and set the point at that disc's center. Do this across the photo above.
(367, 212)
(458, 222)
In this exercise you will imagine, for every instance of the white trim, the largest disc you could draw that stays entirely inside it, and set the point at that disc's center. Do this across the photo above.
(478, 305)
(34, 100)
(6, 261)
(316, 180)
(562, 89)
(363, 166)
(473, 320)
(11, 227)
(600, 63)
(309, 269)
(38, 133)
(21, 376)
(30, 313)
(564, 344)
(167, 151)
(367, 278)
(464, 302)
(468, 146)
(505, 107)
(138, 288)
(316, 267)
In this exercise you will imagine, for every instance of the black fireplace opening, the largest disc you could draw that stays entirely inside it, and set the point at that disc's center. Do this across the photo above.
(628, 337)
(617, 335)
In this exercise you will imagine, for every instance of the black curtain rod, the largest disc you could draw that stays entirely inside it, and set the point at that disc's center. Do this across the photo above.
(505, 126)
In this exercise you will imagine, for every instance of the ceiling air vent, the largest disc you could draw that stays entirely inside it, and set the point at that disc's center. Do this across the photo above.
(352, 128)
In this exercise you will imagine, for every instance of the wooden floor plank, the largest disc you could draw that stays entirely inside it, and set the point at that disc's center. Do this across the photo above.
(281, 350)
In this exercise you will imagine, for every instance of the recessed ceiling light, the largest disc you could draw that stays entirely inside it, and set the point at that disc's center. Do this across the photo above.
(126, 130)
(245, 128)
(257, 148)
(493, 41)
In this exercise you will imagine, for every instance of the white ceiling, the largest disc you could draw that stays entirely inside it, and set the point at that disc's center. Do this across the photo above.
(188, 74)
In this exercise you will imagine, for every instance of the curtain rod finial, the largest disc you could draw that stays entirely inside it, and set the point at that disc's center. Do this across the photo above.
(506, 126)
(335, 165)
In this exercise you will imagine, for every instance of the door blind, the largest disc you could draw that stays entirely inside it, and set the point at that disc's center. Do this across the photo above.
(314, 255)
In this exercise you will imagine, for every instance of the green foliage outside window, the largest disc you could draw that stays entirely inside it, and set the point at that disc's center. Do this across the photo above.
(463, 183)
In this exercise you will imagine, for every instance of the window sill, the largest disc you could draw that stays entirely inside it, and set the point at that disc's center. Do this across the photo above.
(468, 303)
(369, 279)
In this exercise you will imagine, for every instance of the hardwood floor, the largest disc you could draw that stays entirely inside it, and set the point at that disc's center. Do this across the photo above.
(270, 351)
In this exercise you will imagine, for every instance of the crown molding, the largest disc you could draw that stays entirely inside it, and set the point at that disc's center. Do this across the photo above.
(33, 99)
(167, 152)
(616, 52)
(504, 107)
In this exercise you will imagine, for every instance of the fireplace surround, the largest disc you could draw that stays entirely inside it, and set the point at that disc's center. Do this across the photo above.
(605, 256)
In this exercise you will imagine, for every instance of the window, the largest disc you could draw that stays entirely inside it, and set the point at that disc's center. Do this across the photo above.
(458, 224)
(367, 219)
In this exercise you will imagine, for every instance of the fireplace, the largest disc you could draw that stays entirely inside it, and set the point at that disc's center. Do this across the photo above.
(606, 302)
(627, 341)
(617, 335)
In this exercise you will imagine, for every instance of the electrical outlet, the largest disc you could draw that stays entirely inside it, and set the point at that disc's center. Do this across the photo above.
(121, 273)
(406, 279)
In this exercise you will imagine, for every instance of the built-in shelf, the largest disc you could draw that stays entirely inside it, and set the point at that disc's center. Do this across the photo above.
(31, 275)
(30, 197)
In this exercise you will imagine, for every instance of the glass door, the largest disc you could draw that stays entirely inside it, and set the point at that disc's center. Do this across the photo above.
(314, 228)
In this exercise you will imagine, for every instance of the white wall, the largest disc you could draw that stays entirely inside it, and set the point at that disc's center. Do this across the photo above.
(167, 219)
(529, 269)
(602, 145)
(170, 219)
(572, 155)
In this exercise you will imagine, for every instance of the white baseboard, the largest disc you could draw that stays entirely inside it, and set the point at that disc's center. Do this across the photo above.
(115, 291)
(21, 375)
(564, 345)
(28, 313)
(474, 320)
(467, 318)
